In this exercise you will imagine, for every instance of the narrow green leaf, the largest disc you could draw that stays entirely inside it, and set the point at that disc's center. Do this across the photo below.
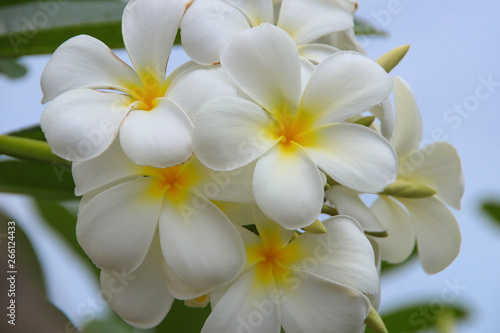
(33, 312)
(42, 180)
(492, 209)
(11, 68)
(40, 27)
(420, 317)
(26, 260)
(61, 220)
(34, 133)
(111, 324)
(362, 27)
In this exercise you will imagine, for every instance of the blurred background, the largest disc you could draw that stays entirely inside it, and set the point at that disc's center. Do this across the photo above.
(453, 67)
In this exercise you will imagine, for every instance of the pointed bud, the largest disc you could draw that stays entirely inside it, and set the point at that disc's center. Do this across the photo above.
(329, 210)
(316, 227)
(365, 121)
(392, 58)
(198, 302)
(408, 189)
(379, 234)
(375, 322)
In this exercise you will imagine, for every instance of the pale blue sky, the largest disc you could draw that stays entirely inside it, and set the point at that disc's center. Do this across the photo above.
(455, 50)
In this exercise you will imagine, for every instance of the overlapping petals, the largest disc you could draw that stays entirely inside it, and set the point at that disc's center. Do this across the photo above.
(276, 115)
(141, 298)
(117, 222)
(153, 131)
(290, 284)
(209, 24)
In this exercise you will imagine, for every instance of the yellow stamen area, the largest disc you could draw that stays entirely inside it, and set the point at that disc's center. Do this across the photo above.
(173, 181)
(295, 130)
(150, 90)
(272, 259)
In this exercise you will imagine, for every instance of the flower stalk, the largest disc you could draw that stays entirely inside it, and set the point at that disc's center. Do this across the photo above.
(29, 149)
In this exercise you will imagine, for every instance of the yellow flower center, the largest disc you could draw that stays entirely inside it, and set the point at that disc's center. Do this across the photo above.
(294, 129)
(272, 259)
(150, 90)
(173, 181)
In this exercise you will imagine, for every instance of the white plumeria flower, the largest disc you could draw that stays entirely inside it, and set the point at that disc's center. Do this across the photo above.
(291, 134)
(427, 220)
(150, 112)
(209, 24)
(124, 204)
(315, 283)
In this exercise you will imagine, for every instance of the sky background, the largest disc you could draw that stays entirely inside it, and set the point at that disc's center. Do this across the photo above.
(453, 67)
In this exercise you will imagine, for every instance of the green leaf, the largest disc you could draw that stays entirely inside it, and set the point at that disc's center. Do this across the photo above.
(421, 317)
(184, 319)
(362, 27)
(34, 313)
(34, 133)
(39, 27)
(11, 68)
(63, 221)
(492, 209)
(42, 180)
(27, 261)
(112, 324)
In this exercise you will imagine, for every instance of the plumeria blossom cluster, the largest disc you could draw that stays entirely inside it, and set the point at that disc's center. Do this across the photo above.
(208, 185)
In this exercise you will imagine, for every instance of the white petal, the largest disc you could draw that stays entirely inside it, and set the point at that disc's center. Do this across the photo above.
(348, 203)
(107, 168)
(115, 228)
(141, 297)
(81, 124)
(385, 113)
(200, 245)
(160, 137)
(307, 68)
(257, 11)
(317, 52)
(400, 243)
(308, 20)
(265, 63)
(343, 255)
(237, 213)
(85, 62)
(270, 232)
(229, 186)
(408, 131)
(232, 132)
(246, 307)
(322, 306)
(343, 85)
(178, 288)
(436, 165)
(354, 156)
(149, 29)
(206, 28)
(288, 187)
(438, 234)
(199, 85)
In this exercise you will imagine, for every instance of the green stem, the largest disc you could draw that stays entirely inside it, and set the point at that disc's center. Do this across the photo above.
(28, 149)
